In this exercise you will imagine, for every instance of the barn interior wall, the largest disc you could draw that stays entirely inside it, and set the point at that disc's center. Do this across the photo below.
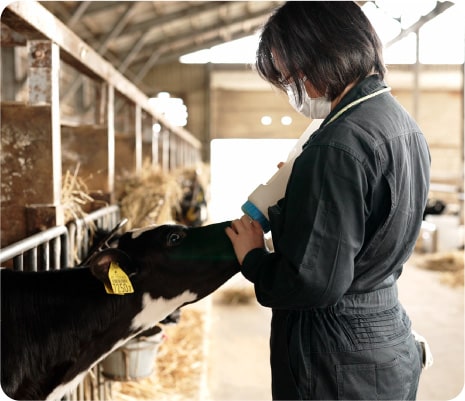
(230, 111)
(439, 116)
(234, 109)
(235, 112)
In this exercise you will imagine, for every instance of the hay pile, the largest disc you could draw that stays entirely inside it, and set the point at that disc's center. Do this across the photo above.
(236, 295)
(74, 196)
(200, 174)
(179, 365)
(450, 264)
(148, 198)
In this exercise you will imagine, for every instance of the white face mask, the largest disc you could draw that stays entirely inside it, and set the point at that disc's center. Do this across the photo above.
(318, 107)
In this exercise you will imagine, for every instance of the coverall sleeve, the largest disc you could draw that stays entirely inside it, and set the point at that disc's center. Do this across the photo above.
(321, 230)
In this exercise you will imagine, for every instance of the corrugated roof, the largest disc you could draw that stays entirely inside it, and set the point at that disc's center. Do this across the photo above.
(137, 35)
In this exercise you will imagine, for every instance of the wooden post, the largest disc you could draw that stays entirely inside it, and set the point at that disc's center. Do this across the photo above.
(111, 142)
(31, 150)
(44, 209)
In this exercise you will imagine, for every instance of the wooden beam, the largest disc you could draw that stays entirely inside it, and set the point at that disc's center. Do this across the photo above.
(181, 44)
(35, 18)
(101, 49)
(11, 38)
(192, 11)
(439, 9)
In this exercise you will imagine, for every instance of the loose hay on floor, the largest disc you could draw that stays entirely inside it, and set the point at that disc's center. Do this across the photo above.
(450, 264)
(179, 365)
(236, 295)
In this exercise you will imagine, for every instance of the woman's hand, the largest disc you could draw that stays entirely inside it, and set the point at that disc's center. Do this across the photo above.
(245, 234)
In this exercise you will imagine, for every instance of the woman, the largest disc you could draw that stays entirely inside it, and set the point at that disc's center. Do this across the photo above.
(349, 219)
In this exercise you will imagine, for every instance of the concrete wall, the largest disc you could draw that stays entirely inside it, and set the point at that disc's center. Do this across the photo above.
(228, 101)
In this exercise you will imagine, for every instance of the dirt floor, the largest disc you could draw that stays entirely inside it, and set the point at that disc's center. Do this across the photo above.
(237, 353)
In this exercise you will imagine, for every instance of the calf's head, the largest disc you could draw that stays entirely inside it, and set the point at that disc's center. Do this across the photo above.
(169, 260)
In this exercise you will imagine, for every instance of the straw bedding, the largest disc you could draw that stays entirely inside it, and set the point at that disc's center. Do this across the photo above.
(179, 365)
(450, 264)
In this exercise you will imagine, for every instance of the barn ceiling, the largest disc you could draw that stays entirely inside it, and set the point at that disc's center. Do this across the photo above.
(135, 36)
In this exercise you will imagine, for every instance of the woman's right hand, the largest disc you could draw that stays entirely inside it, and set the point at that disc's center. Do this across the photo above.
(245, 234)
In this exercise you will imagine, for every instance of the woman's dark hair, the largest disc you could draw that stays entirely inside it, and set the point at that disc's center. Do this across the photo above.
(332, 43)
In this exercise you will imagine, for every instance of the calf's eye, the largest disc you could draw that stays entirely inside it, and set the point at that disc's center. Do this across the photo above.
(174, 239)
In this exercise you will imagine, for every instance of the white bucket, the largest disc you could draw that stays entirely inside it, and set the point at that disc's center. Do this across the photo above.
(136, 359)
(448, 231)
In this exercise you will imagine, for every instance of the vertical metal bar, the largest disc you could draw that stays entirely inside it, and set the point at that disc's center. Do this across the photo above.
(31, 260)
(64, 255)
(85, 240)
(185, 154)
(172, 152)
(45, 256)
(56, 254)
(18, 263)
(78, 238)
(165, 149)
(71, 244)
(138, 137)
(155, 148)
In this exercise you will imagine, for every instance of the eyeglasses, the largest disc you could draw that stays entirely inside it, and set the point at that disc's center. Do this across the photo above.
(285, 81)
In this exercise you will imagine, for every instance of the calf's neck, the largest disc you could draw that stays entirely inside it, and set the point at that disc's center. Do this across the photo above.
(56, 325)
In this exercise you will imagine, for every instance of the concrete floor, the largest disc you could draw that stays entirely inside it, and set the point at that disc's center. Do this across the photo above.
(238, 367)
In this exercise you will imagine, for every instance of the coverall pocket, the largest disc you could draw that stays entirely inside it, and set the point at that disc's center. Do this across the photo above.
(383, 381)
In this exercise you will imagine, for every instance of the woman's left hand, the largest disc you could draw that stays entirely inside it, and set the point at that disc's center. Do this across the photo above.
(245, 234)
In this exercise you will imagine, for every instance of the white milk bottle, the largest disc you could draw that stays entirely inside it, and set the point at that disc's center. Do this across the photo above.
(266, 195)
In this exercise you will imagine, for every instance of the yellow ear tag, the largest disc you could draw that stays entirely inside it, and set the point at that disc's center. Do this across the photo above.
(120, 283)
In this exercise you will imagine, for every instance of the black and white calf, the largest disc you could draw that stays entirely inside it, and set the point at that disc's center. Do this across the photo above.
(56, 325)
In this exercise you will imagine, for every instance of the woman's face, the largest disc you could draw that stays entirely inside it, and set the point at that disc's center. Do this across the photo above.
(286, 78)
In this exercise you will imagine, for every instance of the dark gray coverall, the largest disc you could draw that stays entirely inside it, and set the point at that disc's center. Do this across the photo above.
(349, 220)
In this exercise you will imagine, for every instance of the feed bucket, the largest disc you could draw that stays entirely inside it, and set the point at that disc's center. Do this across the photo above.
(136, 359)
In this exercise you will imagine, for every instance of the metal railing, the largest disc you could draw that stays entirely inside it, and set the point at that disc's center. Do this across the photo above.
(47, 250)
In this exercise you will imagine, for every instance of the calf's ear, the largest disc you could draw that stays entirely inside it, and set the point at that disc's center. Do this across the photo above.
(100, 263)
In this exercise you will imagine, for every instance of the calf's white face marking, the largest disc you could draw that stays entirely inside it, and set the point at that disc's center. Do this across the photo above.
(156, 309)
(137, 232)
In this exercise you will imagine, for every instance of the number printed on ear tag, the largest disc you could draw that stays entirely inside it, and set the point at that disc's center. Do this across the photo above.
(120, 283)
